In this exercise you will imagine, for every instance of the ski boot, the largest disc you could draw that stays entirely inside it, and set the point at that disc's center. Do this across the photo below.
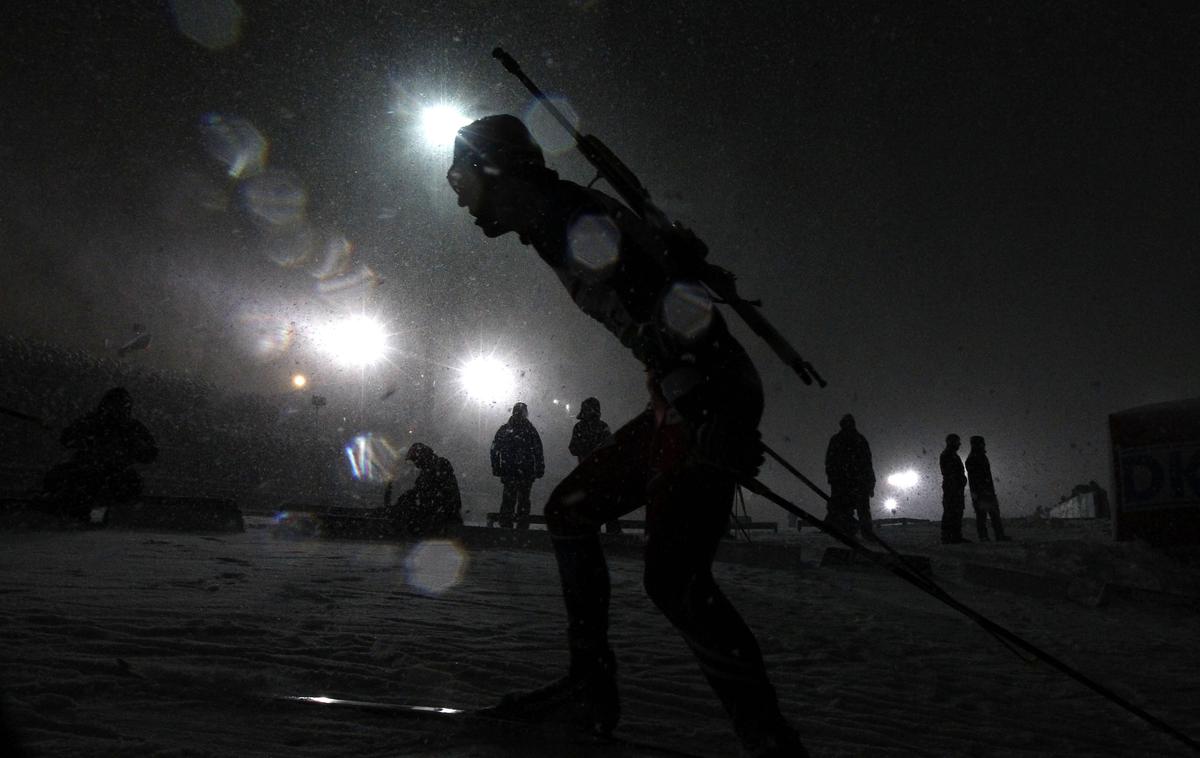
(586, 698)
(780, 741)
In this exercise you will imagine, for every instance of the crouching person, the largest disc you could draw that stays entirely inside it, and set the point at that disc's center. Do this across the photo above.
(105, 444)
(433, 506)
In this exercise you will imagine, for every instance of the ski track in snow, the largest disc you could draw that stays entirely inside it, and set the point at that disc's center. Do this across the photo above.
(864, 664)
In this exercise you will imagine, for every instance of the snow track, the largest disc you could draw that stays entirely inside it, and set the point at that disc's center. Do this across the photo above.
(864, 664)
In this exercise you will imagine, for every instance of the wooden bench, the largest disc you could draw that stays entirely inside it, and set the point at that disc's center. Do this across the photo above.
(737, 522)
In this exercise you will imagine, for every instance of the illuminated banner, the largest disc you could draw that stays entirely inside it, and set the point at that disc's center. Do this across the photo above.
(1156, 470)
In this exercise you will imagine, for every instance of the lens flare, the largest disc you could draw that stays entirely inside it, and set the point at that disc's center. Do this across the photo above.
(214, 24)
(266, 335)
(435, 566)
(687, 310)
(593, 243)
(275, 198)
(236, 143)
(372, 457)
(299, 381)
(546, 129)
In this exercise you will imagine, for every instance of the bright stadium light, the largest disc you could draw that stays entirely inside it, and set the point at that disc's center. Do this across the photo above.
(487, 380)
(904, 480)
(354, 341)
(440, 123)
(299, 380)
(890, 504)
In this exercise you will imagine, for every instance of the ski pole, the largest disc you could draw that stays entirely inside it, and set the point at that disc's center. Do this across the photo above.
(905, 572)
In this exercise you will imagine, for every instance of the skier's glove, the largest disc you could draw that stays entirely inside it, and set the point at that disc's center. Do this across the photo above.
(730, 447)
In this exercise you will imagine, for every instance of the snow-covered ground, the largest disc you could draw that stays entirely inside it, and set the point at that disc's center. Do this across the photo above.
(128, 643)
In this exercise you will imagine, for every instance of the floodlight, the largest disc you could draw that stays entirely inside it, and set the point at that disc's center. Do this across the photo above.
(904, 480)
(487, 380)
(440, 123)
(354, 340)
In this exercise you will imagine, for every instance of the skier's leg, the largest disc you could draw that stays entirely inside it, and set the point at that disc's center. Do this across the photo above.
(606, 485)
(685, 523)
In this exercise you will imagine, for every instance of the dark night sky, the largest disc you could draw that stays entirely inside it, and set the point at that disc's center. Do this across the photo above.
(970, 220)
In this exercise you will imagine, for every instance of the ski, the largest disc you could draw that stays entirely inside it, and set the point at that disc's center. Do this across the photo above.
(582, 743)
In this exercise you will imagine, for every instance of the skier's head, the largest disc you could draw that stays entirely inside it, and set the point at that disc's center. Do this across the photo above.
(520, 411)
(589, 409)
(487, 153)
(953, 441)
(847, 422)
(420, 454)
(116, 402)
(977, 443)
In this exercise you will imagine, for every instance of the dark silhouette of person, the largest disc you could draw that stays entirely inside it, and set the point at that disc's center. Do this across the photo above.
(433, 505)
(587, 436)
(105, 445)
(983, 491)
(517, 460)
(851, 480)
(954, 483)
(681, 458)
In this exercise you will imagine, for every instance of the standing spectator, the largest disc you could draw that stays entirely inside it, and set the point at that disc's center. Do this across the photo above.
(851, 480)
(983, 491)
(589, 434)
(106, 444)
(517, 460)
(954, 480)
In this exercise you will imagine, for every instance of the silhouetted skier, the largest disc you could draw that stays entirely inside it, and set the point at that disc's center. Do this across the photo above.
(517, 460)
(105, 445)
(954, 499)
(851, 479)
(587, 436)
(681, 458)
(433, 505)
(983, 491)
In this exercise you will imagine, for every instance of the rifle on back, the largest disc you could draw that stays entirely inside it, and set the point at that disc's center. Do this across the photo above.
(680, 248)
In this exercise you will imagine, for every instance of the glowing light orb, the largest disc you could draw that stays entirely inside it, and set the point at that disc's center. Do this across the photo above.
(546, 129)
(354, 341)
(434, 566)
(236, 143)
(214, 24)
(299, 381)
(904, 480)
(890, 504)
(440, 123)
(275, 198)
(593, 243)
(267, 335)
(687, 310)
(291, 246)
(487, 380)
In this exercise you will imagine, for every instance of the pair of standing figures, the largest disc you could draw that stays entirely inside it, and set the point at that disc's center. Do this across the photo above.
(977, 473)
